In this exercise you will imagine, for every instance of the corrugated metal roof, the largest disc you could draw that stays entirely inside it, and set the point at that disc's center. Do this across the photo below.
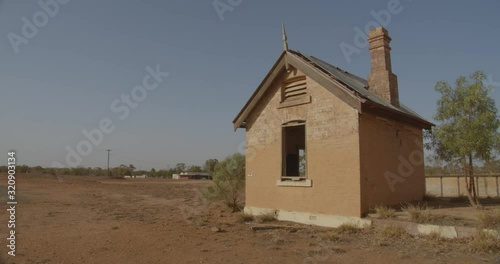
(356, 83)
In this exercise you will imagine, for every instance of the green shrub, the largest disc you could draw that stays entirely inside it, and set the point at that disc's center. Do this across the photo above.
(229, 182)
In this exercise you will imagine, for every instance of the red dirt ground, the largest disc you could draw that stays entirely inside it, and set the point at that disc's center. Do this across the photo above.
(99, 220)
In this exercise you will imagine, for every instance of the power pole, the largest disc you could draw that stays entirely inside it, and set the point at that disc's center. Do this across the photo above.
(108, 150)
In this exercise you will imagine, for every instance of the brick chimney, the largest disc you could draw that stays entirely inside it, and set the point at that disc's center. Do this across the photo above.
(382, 81)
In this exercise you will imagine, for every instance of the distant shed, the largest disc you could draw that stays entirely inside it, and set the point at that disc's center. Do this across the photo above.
(193, 176)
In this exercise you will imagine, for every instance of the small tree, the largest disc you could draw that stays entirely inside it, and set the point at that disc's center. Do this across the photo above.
(23, 169)
(229, 181)
(210, 166)
(180, 167)
(469, 127)
(194, 168)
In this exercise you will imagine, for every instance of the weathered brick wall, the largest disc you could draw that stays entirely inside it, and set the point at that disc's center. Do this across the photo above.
(332, 145)
(392, 165)
(382, 80)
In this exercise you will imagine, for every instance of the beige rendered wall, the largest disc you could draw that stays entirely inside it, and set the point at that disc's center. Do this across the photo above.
(392, 165)
(332, 146)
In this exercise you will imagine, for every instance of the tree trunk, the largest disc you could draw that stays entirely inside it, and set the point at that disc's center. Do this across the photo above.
(470, 183)
(474, 184)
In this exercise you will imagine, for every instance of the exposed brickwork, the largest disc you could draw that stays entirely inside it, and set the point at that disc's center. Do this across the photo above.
(381, 80)
(348, 153)
(389, 147)
(332, 143)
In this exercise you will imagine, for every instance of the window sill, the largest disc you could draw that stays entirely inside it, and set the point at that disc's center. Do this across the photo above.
(303, 183)
(299, 101)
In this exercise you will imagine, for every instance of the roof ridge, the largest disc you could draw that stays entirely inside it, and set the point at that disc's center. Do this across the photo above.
(357, 84)
(354, 87)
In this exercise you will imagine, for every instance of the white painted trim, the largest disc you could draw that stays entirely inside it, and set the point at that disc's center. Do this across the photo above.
(303, 183)
(311, 218)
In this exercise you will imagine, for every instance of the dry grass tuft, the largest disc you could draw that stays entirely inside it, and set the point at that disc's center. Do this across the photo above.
(434, 236)
(385, 212)
(489, 221)
(348, 228)
(485, 242)
(267, 217)
(418, 213)
(387, 235)
(394, 232)
(245, 217)
(332, 236)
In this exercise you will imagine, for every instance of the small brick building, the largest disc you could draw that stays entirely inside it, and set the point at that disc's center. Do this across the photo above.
(323, 143)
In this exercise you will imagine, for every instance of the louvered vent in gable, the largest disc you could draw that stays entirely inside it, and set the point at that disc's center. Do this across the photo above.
(294, 88)
(294, 92)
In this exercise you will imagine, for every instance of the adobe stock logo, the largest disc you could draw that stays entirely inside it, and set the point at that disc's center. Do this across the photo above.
(381, 18)
(120, 106)
(406, 168)
(30, 28)
(223, 6)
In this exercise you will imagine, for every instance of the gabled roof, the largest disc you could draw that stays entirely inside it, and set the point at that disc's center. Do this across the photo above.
(348, 87)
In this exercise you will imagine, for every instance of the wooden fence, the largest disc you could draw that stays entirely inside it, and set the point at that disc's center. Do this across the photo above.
(454, 185)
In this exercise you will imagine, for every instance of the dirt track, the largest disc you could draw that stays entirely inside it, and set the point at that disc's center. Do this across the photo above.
(98, 220)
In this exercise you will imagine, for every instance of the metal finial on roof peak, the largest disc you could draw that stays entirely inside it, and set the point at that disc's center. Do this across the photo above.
(285, 43)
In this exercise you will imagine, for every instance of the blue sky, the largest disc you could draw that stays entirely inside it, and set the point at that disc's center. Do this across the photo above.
(64, 79)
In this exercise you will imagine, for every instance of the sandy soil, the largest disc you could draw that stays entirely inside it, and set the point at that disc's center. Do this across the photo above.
(99, 220)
